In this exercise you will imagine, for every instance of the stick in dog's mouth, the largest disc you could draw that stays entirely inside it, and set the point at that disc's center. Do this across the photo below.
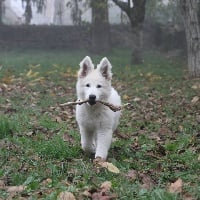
(92, 102)
(114, 108)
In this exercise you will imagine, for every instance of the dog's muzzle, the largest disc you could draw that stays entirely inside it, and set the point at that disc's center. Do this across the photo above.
(92, 99)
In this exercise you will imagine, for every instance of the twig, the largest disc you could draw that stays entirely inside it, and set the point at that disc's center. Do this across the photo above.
(114, 108)
(111, 106)
(74, 103)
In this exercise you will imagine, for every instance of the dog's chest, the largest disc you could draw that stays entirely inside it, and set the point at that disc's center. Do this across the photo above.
(94, 118)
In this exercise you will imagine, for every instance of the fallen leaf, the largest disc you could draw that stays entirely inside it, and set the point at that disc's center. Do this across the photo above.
(136, 99)
(198, 158)
(125, 97)
(66, 196)
(132, 174)
(7, 80)
(181, 128)
(68, 138)
(147, 181)
(195, 99)
(48, 181)
(14, 189)
(86, 193)
(196, 86)
(2, 184)
(106, 185)
(103, 193)
(176, 187)
(31, 74)
(37, 79)
(112, 168)
(99, 196)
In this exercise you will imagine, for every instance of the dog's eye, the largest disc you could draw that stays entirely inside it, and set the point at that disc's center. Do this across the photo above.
(87, 85)
(99, 86)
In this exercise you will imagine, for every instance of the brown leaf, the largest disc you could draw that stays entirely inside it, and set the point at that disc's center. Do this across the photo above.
(86, 193)
(58, 119)
(66, 196)
(196, 86)
(136, 99)
(47, 182)
(102, 193)
(106, 186)
(68, 138)
(195, 99)
(132, 174)
(147, 181)
(110, 167)
(2, 184)
(176, 187)
(99, 196)
(13, 189)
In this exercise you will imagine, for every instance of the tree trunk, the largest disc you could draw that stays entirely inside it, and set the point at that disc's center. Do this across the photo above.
(1, 12)
(136, 13)
(192, 30)
(100, 26)
(28, 12)
(137, 44)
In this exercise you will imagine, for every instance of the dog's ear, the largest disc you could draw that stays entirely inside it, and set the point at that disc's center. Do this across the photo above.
(86, 66)
(105, 68)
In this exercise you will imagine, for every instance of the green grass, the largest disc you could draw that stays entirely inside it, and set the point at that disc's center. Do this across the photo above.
(40, 143)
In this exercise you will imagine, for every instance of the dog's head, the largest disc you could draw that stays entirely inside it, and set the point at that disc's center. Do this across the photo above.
(94, 84)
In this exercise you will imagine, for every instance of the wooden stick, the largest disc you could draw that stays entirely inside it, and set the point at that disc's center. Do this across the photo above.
(114, 108)
(74, 103)
(111, 106)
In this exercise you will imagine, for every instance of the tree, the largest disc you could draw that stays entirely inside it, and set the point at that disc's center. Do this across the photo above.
(40, 4)
(76, 13)
(135, 11)
(28, 12)
(1, 11)
(100, 26)
(189, 9)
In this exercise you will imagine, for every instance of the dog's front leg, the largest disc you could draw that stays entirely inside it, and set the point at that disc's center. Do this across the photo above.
(87, 140)
(104, 139)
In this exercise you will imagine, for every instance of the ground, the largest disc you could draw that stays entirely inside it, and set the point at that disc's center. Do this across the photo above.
(155, 153)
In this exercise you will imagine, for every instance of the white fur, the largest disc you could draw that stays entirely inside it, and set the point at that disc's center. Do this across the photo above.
(96, 122)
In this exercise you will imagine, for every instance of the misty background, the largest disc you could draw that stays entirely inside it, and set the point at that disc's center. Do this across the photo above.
(68, 24)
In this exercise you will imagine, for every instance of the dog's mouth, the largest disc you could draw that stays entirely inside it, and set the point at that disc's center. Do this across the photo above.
(92, 99)
(92, 102)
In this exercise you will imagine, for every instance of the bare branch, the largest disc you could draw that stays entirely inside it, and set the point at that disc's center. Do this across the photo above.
(74, 103)
(114, 108)
(123, 5)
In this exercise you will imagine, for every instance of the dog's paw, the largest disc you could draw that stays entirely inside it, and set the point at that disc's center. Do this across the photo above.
(98, 160)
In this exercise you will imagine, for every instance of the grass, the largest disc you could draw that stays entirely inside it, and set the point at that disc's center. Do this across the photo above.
(40, 144)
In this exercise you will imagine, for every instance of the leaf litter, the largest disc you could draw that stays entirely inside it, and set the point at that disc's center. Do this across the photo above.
(170, 112)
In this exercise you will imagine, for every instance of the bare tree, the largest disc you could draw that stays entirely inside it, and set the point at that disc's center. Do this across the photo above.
(40, 4)
(189, 10)
(1, 11)
(28, 12)
(76, 13)
(100, 26)
(135, 11)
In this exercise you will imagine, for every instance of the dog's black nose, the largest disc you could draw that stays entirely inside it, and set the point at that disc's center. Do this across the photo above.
(92, 99)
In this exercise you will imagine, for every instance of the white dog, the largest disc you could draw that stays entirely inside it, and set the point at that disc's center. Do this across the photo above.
(96, 121)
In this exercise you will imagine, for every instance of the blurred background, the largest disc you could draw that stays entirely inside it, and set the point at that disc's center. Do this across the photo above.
(97, 26)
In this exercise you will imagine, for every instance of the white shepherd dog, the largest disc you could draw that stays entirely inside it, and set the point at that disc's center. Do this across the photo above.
(96, 121)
